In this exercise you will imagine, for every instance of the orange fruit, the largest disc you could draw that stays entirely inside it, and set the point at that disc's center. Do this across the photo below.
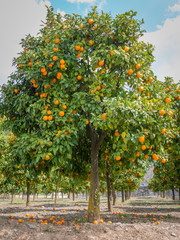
(62, 62)
(54, 58)
(163, 160)
(47, 157)
(163, 130)
(77, 47)
(78, 227)
(167, 100)
(49, 112)
(143, 147)
(116, 134)
(95, 222)
(138, 66)
(20, 220)
(141, 139)
(111, 53)
(16, 90)
(91, 42)
(64, 106)
(61, 113)
(150, 79)
(54, 80)
(130, 71)
(126, 49)
(118, 158)
(59, 75)
(29, 64)
(120, 163)
(92, 91)
(79, 77)
(50, 118)
(101, 220)
(57, 41)
(45, 118)
(155, 157)
(139, 75)
(98, 88)
(101, 63)
(81, 49)
(104, 116)
(87, 122)
(162, 112)
(141, 89)
(90, 21)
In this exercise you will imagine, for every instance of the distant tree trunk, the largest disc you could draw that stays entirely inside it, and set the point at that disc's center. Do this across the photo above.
(46, 195)
(62, 194)
(122, 191)
(173, 194)
(73, 193)
(126, 195)
(166, 194)
(69, 194)
(12, 194)
(52, 195)
(37, 194)
(129, 195)
(179, 193)
(34, 193)
(86, 193)
(28, 195)
(108, 187)
(56, 193)
(163, 194)
(113, 194)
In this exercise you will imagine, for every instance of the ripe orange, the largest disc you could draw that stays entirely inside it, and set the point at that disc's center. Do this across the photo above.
(143, 147)
(104, 116)
(59, 75)
(20, 220)
(49, 112)
(155, 157)
(111, 53)
(78, 227)
(45, 118)
(141, 139)
(90, 21)
(29, 64)
(79, 77)
(98, 88)
(61, 113)
(130, 71)
(167, 100)
(77, 47)
(54, 58)
(138, 66)
(163, 130)
(162, 112)
(118, 158)
(101, 63)
(116, 134)
(64, 106)
(62, 66)
(16, 90)
(126, 49)
(57, 41)
(81, 49)
(47, 157)
(139, 75)
(163, 160)
(62, 62)
(54, 80)
(101, 220)
(50, 118)
(141, 89)
(150, 79)
(92, 91)
(120, 163)
(87, 122)
(91, 42)
(95, 222)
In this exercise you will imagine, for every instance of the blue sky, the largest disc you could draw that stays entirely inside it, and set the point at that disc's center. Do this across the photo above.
(162, 24)
(154, 12)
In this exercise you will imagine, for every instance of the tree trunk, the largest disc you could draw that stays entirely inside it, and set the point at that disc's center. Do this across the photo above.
(52, 195)
(166, 194)
(69, 194)
(46, 195)
(28, 195)
(62, 194)
(122, 191)
(34, 193)
(113, 194)
(109, 197)
(86, 193)
(179, 193)
(163, 194)
(94, 195)
(126, 195)
(56, 193)
(73, 193)
(37, 194)
(173, 194)
(12, 194)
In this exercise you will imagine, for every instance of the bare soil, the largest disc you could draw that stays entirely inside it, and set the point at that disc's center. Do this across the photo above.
(132, 220)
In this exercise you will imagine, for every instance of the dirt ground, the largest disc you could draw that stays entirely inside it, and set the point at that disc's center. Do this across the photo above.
(132, 220)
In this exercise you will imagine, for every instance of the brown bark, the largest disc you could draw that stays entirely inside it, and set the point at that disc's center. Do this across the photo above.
(163, 194)
(94, 195)
(109, 198)
(28, 195)
(86, 193)
(173, 194)
(12, 194)
(113, 195)
(122, 191)
(126, 195)
(34, 193)
(55, 201)
(73, 193)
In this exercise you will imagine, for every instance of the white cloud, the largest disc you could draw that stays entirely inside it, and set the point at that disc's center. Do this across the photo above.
(101, 4)
(61, 12)
(81, 1)
(175, 8)
(167, 49)
(17, 18)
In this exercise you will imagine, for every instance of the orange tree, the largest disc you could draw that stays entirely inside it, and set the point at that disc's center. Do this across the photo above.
(82, 76)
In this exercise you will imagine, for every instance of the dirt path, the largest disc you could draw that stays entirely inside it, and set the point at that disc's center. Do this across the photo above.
(134, 220)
